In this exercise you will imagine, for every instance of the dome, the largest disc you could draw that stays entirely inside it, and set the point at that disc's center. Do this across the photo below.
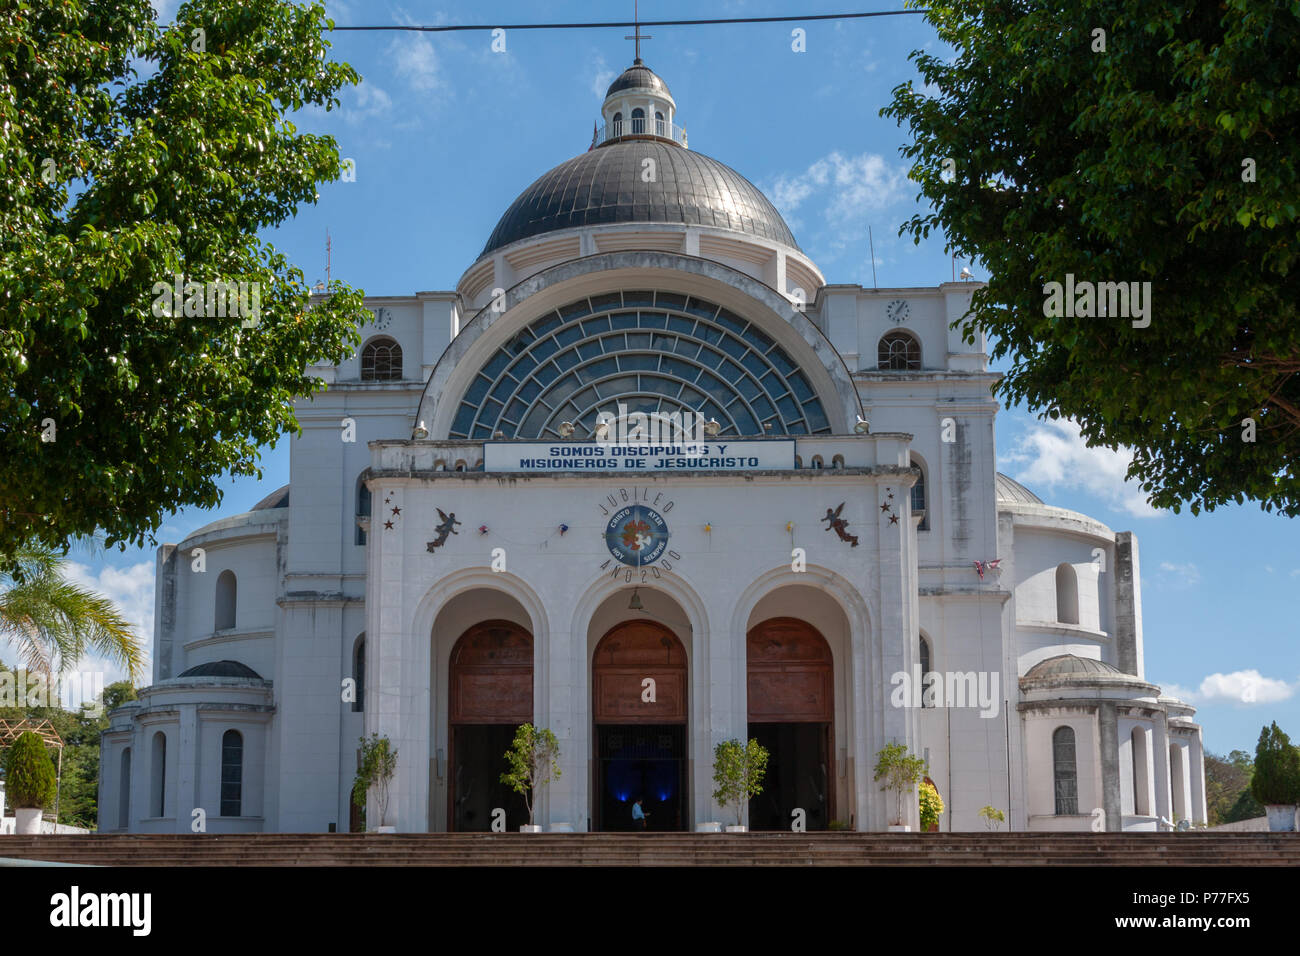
(1010, 490)
(604, 186)
(1071, 665)
(638, 76)
(276, 499)
(222, 669)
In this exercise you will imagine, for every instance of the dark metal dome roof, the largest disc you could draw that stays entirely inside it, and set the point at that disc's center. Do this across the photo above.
(604, 186)
(222, 669)
(638, 76)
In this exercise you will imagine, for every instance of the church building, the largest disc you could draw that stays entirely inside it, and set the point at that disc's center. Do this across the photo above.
(648, 479)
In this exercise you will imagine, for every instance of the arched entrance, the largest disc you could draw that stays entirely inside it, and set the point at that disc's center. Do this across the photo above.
(640, 743)
(490, 695)
(791, 712)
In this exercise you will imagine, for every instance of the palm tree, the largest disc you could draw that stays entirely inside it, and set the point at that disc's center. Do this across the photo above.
(54, 623)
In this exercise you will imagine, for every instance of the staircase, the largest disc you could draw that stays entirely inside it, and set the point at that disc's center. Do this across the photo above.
(662, 849)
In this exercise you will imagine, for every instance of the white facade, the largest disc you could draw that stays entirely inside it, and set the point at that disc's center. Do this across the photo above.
(761, 610)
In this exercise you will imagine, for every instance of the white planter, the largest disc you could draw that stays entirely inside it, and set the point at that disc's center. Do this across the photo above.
(530, 828)
(899, 828)
(708, 828)
(28, 822)
(1281, 817)
(737, 829)
(561, 827)
(385, 829)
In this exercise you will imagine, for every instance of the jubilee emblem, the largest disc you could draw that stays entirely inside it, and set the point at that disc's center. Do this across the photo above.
(636, 535)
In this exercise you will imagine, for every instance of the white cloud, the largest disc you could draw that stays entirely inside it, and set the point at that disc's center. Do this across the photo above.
(132, 589)
(1183, 575)
(415, 60)
(1246, 688)
(601, 79)
(846, 188)
(1054, 456)
(368, 102)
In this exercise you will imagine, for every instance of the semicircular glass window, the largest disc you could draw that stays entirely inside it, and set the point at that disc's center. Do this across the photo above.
(653, 352)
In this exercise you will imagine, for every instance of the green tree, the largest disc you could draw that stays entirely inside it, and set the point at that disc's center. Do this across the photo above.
(78, 788)
(533, 758)
(378, 767)
(1277, 768)
(1227, 788)
(53, 623)
(133, 154)
(901, 772)
(29, 774)
(738, 771)
(1162, 152)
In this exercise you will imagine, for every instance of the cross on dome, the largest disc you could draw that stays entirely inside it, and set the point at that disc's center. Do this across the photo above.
(638, 36)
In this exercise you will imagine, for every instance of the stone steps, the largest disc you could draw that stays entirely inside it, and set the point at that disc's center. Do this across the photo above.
(668, 849)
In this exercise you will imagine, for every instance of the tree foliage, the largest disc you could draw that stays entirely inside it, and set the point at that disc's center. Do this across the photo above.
(131, 154)
(1125, 141)
(1227, 788)
(738, 771)
(29, 774)
(901, 771)
(931, 805)
(533, 758)
(78, 794)
(378, 767)
(53, 623)
(1277, 768)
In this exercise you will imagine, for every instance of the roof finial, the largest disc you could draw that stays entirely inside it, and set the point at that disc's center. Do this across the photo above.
(638, 36)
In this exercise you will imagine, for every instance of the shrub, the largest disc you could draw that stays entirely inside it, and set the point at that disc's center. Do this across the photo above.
(931, 805)
(29, 774)
(1277, 768)
(993, 817)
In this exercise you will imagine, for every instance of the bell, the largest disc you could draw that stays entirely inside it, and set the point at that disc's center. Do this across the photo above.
(635, 604)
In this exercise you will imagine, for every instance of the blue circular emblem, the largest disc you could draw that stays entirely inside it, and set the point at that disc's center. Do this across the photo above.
(636, 535)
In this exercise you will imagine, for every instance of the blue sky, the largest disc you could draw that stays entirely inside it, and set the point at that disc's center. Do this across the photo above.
(445, 133)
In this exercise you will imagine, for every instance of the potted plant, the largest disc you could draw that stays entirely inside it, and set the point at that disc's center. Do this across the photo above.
(534, 762)
(378, 767)
(901, 772)
(931, 805)
(29, 780)
(738, 771)
(1276, 783)
(993, 817)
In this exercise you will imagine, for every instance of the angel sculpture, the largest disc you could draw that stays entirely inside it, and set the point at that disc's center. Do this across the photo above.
(837, 524)
(447, 527)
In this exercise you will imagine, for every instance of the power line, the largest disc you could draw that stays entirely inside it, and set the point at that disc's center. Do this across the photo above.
(460, 27)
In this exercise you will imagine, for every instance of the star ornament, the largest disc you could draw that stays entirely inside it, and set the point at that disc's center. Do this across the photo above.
(396, 510)
(388, 525)
(893, 519)
(884, 507)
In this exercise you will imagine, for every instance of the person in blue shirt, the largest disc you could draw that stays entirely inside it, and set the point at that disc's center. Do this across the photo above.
(638, 815)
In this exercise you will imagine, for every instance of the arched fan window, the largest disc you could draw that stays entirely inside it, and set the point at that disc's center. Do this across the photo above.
(899, 351)
(654, 352)
(381, 361)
